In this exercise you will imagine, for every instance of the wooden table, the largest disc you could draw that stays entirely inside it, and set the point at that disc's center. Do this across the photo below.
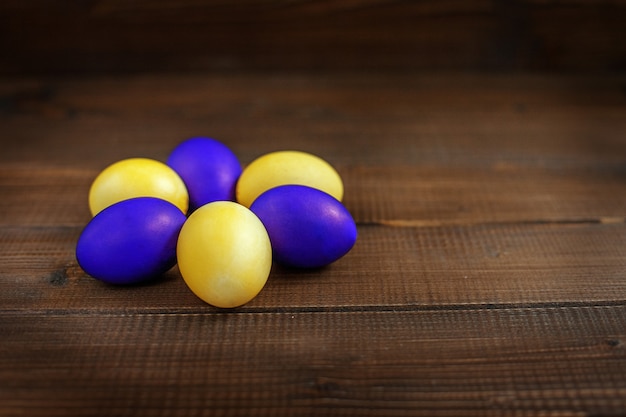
(489, 275)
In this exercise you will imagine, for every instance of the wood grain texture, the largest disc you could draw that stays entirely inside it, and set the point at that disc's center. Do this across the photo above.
(115, 36)
(488, 278)
(409, 196)
(495, 362)
(465, 149)
(388, 267)
(418, 120)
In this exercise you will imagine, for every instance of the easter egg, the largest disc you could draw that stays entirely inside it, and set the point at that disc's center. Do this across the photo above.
(209, 169)
(224, 254)
(130, 241)
(137, 177)
(308, 228)
(287, 167)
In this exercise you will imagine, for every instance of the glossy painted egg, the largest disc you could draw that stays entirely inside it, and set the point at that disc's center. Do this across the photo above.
(209, 169)
(308, 228)
(224, 254)
(137, 177)
(287, 167)
(130, 241)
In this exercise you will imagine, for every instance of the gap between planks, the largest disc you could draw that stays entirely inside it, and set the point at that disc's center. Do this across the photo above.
(400, 223)
(456, 223)
(405, 308)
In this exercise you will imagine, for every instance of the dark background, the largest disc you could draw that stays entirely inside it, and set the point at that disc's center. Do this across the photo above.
(120, 36)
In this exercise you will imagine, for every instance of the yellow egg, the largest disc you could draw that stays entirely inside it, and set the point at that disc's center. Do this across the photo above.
(137, 177)
(224, 254)
(287, 167)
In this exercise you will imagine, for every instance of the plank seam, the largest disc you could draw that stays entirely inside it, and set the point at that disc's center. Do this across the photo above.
(327, 309)
(399, 223)
(522, 222)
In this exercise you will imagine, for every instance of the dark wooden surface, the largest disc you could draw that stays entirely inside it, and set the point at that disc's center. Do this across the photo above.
(489, 277)
(44, 36)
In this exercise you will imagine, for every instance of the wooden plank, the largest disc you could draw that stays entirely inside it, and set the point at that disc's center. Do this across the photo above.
(503, 193)
(38, 196)
(416, 120)
(403, 195)
(497, 264)
(442, 362)
(113, 36)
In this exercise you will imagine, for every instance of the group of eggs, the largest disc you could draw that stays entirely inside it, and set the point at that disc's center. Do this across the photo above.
(222, 224)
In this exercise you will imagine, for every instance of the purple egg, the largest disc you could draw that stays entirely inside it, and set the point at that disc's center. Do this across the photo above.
(308, 228)
(209, 169)
(131, 241)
